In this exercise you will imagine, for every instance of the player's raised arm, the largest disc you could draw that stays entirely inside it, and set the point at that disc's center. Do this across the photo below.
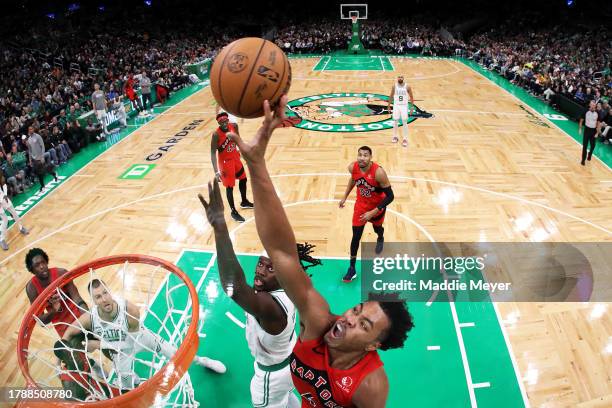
(258, 304)
(275, 231)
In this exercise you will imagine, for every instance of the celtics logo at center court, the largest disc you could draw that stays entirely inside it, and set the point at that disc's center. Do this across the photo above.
(344, 112)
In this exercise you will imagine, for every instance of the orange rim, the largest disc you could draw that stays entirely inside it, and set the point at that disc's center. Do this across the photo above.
(161, 383)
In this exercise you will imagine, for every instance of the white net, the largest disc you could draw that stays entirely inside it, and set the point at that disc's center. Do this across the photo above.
(137, 317)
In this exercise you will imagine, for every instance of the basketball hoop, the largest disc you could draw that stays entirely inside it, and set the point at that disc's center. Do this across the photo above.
(156, 388)
(354, 19)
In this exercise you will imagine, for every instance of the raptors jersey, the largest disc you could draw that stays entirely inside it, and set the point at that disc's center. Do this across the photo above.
(226, 148)
(68, 312)
(269, 349)
(369, 192)
(321, 385)
(400, 97)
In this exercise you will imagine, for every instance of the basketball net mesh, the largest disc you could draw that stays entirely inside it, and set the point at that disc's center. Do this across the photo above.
(97, 373)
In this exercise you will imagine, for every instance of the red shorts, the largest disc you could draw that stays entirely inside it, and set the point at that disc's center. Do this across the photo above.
(231, 169)
(361, 209)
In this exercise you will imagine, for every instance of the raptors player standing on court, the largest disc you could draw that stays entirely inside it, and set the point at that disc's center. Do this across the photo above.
(374, 194)
(229, 167)
(335, 362)
(399, 95)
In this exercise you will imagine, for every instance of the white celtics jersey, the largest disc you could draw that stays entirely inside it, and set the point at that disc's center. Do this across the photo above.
(271, 349)
(114, 335)
(400, 98)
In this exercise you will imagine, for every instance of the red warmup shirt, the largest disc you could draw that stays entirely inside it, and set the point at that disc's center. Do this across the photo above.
(321, 385)
(226, 148)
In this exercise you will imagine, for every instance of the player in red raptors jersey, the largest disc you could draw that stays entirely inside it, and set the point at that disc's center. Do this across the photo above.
(229, 166)
(374, 194)
(335, 361)
(61, 309)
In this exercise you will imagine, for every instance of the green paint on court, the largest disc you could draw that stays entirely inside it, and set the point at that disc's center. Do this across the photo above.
(353, 63)
(418, 377)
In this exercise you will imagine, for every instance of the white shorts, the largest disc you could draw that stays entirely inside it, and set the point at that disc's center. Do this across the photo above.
(100, 114)
(271, 389)
(400, 111)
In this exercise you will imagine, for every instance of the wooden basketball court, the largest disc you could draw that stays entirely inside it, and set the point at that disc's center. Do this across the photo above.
(484, 167)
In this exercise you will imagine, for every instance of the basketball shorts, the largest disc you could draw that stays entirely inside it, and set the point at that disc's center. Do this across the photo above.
(400, 112)
(361, 209)
(231, 170)
(101, 115)
(272, 389)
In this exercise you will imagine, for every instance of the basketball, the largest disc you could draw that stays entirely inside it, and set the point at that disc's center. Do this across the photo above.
(247, 72)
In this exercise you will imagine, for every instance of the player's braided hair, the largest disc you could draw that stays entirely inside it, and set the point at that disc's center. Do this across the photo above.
(304, 251)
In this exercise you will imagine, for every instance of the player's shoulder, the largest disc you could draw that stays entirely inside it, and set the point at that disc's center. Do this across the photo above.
(351, 166)
(373, 389)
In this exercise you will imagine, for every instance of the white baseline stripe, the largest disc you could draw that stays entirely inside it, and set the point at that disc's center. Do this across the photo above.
(235, 320)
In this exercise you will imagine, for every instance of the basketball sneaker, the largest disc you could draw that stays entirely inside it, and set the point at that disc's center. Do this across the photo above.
(246, 204)
(4, 245)
(236, 216)
(214, 365)
(351, 274)
(24, 230)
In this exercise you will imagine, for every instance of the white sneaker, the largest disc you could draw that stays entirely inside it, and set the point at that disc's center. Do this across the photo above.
(214, 365)
(5, 246)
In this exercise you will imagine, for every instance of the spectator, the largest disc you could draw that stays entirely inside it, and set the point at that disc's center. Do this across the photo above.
(145, 90)
(98, 101)
(36, 149)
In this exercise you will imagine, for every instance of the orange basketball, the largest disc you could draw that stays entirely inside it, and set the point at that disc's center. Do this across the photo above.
(247, 72)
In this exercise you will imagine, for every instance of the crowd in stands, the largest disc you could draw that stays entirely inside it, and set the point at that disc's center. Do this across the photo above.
(48, 78)
(49, 72)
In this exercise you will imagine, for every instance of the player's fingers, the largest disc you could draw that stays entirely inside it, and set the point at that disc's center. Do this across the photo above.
(267, 111)
(217, 191)
(282, 105)
(236, 138)
(203, 201)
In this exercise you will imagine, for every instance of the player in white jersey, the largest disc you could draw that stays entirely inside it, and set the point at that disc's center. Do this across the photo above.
(270, 315)
(116, 323)
(6, 204)
(400, 92)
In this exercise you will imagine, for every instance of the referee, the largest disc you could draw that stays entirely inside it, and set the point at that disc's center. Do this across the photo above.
(591, 119)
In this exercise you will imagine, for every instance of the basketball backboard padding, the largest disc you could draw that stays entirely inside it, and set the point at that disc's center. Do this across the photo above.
(348, 10)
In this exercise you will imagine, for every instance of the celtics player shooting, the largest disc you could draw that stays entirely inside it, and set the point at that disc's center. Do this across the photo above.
(270, 314)
(115, 323)
(399, 95)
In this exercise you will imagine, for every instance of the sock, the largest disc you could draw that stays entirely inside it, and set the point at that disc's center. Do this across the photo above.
(380, 231)
(229, 192)
(242, 185)
(405, 130)
(395, 128)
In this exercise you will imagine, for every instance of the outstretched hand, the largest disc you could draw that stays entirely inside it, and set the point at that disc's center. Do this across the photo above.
(254, 150)
(214, 208)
